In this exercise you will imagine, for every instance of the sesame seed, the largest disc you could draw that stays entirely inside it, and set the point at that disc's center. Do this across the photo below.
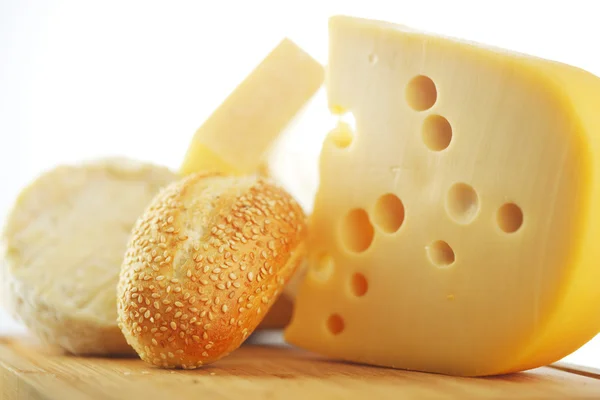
(224, 308)
(178, 304)
(154, 342)
(173, 325)
(160, 278)
(250, 276)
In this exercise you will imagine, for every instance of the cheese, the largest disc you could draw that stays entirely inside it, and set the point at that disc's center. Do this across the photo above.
(455, 229)
(62, 246)
(235, 139)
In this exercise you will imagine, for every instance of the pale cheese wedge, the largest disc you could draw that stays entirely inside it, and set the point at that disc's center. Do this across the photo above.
(456, 228)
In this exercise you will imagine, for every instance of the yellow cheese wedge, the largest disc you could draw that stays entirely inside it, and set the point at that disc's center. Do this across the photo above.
(237, 136)
(456, 229)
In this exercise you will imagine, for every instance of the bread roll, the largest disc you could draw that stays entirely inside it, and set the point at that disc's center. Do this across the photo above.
(63, 245)
(205, 263)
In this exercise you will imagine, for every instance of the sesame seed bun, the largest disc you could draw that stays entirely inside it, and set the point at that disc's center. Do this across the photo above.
(63, 245)
(205, 263)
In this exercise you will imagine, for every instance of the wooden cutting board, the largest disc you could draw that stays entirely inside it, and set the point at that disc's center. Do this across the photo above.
(28, 371)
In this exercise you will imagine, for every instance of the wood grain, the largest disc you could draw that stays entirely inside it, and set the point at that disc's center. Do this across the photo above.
(28, 371)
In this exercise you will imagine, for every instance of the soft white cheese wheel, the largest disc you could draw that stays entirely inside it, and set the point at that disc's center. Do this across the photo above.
(63, 245)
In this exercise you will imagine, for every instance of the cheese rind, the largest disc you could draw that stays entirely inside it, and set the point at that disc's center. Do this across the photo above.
(237, 136)
(62, 246)
(458, 224)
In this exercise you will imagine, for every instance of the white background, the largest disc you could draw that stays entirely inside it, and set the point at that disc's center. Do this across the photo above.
(80, 79)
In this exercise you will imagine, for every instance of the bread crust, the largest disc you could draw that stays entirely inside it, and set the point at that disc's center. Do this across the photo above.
(205, 263)
(70, 223)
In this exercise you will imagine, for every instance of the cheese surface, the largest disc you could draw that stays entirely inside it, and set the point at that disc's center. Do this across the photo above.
(237, 136)
(455, 227)
(62, 247)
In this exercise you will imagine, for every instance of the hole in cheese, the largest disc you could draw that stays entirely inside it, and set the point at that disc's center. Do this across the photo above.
(323, 268)
(389, 213)
(436, 132)
(357, 231)
(462, 203)
(440, 254)
(510, 217)
(344, 127)
(335, 324)
(341, 136)
(359, 285)
(373, 58)
(421, 93)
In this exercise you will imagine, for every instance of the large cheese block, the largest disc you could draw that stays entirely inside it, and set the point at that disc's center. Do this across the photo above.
(456, 226)
(236, 138)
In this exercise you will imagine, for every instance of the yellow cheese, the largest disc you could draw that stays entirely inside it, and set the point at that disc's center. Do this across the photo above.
(237, 136)
(456, 229)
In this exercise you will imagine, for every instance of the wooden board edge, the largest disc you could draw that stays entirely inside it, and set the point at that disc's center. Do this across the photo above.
(576, 369)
